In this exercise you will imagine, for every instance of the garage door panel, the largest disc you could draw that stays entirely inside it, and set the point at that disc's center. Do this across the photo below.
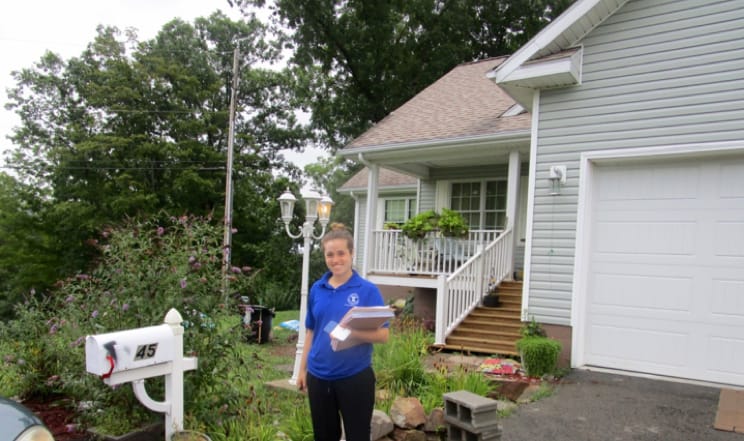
(729, 239)
(727, 300)
(725, 356)
(675, 238)
(669, 182)
(648, 342)
(637, 292)
(665, 286)
(730, 180)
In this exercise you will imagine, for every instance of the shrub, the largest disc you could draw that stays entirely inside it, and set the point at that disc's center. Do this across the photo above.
(417, 226)
(539, 355)
(147, 267)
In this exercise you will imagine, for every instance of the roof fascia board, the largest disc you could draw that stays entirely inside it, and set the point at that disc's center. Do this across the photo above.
(543, 38)
(510, 136)
(570, 65)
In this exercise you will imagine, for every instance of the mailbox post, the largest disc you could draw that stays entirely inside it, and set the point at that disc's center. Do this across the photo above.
(134, 355)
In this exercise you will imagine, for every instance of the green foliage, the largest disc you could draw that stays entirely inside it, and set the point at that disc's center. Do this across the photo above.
(451, 223)
(418, 226)
(147, 268)
(539, 355)
(532, 329)
(401, 371)
(129, 128)
(357, 61)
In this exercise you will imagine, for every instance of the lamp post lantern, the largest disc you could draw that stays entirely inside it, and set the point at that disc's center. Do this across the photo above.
(317, 208)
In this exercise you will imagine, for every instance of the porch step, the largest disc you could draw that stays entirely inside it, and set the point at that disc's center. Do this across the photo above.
(492, 331)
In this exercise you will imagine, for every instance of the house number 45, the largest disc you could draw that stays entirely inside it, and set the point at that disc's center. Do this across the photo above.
(145, 351)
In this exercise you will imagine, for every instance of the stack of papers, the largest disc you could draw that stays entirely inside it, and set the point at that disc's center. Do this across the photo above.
(359, 317)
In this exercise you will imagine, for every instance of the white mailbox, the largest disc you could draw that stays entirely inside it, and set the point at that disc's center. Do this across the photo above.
(137, 354)
(131, 349)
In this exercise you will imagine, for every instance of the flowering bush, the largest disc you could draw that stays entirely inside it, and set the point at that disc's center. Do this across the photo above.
(146, 268)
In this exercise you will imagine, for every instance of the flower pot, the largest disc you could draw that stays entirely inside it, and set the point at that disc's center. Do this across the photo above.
(491, 301)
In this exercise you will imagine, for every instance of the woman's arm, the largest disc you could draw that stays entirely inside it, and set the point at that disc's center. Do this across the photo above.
(302, 374)
(379, 335)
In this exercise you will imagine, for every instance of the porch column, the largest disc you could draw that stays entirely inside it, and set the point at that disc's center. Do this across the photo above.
(512, 198)
(371, 218)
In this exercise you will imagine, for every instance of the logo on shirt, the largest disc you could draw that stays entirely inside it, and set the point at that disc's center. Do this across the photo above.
(352, 299)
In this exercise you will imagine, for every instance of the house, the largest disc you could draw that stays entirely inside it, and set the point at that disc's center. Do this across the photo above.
(464, 143)
(634, 241)
(641, 255)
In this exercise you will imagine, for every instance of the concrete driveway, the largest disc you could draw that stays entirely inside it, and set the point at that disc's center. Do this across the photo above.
(599, 406)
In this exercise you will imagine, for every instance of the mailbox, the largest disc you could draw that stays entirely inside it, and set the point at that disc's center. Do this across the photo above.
(131, 349)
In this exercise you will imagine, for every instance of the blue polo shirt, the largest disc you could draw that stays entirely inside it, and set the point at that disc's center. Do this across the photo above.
(326, 304)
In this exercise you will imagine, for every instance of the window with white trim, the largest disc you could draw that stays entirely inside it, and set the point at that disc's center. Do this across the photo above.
(482, 203)
(399, 210)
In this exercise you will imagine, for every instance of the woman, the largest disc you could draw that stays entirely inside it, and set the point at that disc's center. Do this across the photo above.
(340, 384)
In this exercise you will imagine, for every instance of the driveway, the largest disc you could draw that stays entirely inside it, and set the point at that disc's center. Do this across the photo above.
(607, 407)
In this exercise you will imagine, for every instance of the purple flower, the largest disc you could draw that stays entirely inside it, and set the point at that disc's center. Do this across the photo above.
(21, 362)
(196, 265)
(192, 259)
(70, 299)
(33, 292)
(160, 231)
(94, 314)
(83, 277)
(236, 270)
(247, 269)
(183, 283)
(77, 342)
(71, 428)
(53, 329)
(125, 307)
(234, 230)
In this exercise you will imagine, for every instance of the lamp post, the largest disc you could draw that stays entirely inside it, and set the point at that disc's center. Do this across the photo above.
(316, 208)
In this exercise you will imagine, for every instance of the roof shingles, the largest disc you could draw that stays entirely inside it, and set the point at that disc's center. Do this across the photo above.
(462, 103)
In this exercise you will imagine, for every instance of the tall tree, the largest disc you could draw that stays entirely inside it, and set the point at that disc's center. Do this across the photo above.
(358, 60)
(131, 128)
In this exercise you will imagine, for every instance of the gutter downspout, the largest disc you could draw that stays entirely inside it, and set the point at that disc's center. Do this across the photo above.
(371, 215)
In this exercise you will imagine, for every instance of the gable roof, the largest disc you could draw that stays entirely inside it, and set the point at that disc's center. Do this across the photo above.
(551, 58)
(461, 104)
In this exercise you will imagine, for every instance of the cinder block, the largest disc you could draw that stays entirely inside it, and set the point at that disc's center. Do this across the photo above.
(466, 409)
(455, 433)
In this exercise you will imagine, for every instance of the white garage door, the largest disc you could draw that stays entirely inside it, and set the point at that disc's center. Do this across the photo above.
(665, 293)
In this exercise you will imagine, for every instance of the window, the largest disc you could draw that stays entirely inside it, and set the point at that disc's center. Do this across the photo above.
(399, 210)
(482, 203)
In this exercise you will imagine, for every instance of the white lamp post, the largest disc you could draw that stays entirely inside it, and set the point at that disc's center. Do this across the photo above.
(316, 208)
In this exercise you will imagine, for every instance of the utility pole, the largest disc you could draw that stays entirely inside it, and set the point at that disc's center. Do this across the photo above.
(227, 239)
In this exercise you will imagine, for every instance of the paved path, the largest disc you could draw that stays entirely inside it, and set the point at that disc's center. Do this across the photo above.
(594, 406)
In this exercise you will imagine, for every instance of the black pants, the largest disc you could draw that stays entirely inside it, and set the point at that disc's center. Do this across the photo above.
(352, 399)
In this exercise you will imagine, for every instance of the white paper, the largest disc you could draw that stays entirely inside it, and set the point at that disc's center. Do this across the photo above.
(340, 333)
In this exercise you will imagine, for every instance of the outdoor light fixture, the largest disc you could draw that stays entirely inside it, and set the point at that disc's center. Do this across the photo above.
(318, 208)
(557, 176)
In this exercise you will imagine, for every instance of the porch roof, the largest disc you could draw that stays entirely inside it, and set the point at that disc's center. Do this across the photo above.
(388, 180)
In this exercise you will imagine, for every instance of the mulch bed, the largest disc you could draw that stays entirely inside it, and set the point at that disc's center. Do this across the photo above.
(58, 415)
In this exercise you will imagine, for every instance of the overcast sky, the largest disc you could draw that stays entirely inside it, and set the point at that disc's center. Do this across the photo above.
(28, 28)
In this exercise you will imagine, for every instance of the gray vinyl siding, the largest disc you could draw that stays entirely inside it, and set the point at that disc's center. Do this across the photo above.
(656, 73)
(427, 195)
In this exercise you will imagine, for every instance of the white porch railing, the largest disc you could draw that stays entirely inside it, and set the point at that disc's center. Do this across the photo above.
(434, 254)
(459, 293)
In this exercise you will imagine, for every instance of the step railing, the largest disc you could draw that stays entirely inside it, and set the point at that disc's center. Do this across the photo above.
(434, 254)
(461, 292)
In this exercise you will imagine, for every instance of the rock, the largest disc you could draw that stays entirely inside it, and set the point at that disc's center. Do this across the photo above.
(382, 425)
(407, 413)
(435, 421)
(408, 435)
